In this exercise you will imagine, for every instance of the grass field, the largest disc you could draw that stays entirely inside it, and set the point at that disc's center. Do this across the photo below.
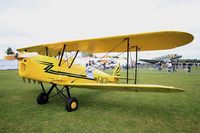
(104, 111)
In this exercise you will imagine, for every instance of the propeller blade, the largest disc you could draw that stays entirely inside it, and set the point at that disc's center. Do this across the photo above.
(19, 56)
(10, 57)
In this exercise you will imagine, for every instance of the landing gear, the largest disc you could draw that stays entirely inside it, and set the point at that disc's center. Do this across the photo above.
(71, 103)
(42, 98)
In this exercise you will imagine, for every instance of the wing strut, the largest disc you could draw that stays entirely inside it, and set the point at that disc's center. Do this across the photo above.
(46, 49)
(136, 58)
(74, 58)
(62, 55)
(127, 66)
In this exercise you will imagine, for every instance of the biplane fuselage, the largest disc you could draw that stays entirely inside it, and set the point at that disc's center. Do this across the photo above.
(47, 69)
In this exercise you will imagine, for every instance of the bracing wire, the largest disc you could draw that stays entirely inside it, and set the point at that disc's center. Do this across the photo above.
(117, 45)
(132, 70)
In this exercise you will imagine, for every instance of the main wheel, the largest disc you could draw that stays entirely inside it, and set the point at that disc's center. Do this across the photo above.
(71, 104)
(42, 98)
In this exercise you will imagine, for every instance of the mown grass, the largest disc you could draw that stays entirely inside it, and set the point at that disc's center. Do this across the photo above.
(104, 111)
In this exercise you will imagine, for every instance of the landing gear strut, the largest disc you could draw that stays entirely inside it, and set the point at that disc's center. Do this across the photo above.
(71, 103)
(43, 97)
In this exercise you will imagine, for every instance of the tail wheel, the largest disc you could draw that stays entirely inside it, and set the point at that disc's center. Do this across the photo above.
(71, 104)
(42, 98)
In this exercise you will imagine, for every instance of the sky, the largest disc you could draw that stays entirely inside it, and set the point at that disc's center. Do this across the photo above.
(31, 22)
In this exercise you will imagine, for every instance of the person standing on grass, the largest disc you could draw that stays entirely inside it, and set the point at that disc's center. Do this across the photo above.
(169, 66)
(159, 66)
(174, 67)
(104, 66)
(90, 70)
(189, 67)
(184, 65)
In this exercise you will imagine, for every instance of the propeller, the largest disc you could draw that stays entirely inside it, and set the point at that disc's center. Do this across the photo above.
(11, 56)
(19, 56)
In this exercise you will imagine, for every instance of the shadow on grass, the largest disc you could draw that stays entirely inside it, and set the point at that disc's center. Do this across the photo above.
(115, 102)
(119, 103)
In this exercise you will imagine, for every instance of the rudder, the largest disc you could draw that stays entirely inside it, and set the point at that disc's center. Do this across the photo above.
(117, 70)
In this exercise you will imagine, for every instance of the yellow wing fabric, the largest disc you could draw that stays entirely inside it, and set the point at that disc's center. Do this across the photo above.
(144, 41)
(126, 87)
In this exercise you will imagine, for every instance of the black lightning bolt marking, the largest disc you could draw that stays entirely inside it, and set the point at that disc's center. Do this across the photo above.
(50, 65)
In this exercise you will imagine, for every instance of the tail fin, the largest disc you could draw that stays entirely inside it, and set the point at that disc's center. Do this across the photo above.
(117, 70)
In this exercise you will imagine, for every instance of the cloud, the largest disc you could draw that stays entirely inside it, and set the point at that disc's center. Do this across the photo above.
(166, 3)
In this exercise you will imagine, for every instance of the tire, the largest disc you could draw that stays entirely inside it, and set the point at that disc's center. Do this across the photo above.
(71, 104)
(42, 98)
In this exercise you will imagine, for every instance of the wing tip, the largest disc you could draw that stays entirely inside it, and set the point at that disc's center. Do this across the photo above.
(179, 90)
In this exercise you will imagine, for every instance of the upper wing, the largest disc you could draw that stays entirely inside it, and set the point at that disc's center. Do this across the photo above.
(144, 41)
(127, 87)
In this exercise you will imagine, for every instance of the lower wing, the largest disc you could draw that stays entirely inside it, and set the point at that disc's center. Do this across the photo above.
(126, 87)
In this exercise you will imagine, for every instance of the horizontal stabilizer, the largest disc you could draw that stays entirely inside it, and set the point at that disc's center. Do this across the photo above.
(117, 77)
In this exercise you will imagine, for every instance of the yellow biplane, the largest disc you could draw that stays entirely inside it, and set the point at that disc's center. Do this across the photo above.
(48, 65)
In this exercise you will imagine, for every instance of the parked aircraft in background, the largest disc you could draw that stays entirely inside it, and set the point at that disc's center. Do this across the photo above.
(165, 58)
